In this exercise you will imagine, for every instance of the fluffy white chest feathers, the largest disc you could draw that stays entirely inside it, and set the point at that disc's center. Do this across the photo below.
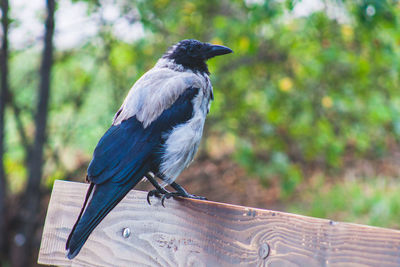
(183, 141)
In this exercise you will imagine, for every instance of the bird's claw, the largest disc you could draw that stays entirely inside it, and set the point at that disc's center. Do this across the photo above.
(152, 193)
(166, 196)
(179, 194)
(195, 197)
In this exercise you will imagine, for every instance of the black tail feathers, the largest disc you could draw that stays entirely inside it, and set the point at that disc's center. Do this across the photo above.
(80, 214)
(105, 197)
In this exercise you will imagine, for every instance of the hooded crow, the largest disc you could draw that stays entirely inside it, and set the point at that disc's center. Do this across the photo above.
(156, 132)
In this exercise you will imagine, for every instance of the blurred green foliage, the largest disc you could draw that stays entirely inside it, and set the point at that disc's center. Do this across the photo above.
(373, 201)
(299, 91)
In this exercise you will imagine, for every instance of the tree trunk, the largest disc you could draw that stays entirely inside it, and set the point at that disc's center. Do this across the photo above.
(26, 238)
(3, 96)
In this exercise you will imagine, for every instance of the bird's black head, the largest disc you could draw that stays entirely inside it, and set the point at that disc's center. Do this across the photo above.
(193, 54)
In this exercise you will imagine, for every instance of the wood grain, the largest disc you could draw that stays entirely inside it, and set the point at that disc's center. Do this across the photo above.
(203, 233)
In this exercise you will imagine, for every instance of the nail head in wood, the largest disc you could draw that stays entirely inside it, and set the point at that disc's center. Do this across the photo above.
(126, 232)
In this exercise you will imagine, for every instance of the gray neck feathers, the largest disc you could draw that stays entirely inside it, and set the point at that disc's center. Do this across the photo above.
(170, 64)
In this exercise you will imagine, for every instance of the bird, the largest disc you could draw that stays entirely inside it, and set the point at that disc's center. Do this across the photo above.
(155, 134)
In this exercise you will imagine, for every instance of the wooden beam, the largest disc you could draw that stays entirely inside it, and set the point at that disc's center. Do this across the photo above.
(204, 233)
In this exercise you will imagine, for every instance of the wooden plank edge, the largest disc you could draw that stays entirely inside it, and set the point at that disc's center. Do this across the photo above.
(141, 194)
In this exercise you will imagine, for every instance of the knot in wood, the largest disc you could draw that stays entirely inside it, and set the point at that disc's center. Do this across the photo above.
(263, 251)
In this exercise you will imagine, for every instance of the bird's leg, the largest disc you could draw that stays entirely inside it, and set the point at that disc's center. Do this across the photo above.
(156, 192)
(180, 192)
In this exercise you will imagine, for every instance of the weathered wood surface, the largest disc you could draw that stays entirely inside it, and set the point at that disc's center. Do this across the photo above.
(204, 233)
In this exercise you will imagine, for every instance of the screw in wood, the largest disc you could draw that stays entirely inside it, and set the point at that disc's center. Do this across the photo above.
(126, 232)
(263, 251)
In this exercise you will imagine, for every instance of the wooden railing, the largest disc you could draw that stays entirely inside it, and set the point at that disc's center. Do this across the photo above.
(203, 233)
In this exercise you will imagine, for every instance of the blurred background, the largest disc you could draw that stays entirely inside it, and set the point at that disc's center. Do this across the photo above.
(306, 117)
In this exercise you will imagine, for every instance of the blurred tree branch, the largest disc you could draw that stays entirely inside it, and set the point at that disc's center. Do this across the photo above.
(20, 125)
(3, 93)
(32, 196)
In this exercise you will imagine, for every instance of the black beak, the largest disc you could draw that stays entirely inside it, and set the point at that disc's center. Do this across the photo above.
(218, 50)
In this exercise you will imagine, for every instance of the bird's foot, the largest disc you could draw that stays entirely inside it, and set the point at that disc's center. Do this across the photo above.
(165, 194)
(157, 193)
(179, 194)
(152, 193)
